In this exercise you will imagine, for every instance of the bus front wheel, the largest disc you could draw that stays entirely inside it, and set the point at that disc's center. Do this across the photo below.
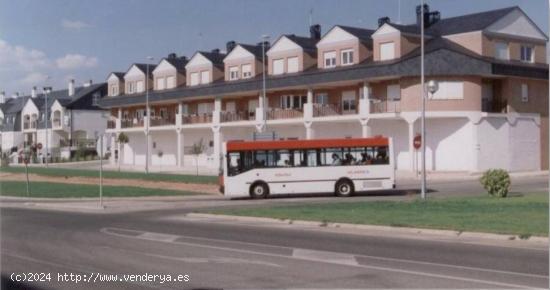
(344, 188)
(259, 190)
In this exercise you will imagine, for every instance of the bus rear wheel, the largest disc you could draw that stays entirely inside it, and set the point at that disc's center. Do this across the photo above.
(259, 190)
(344, 188)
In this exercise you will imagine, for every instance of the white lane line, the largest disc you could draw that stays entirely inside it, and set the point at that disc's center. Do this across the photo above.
(458, 278)
(336, 258)
(216, 260)
(158, 237)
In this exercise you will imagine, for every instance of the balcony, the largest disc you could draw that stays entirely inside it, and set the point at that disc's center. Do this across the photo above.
(278, 114)
(132, 123)
(236, 116)
(385, 107)
(196, 119)
(83, 143)
(56, 123)
(160, 121)
(30, 125)
(324, 110)
(111, 124)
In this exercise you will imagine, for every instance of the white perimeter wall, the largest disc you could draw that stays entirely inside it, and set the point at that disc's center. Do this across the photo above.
(10, 139)
(166, 142)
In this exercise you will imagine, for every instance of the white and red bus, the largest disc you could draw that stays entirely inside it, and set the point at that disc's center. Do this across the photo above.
(342, 166)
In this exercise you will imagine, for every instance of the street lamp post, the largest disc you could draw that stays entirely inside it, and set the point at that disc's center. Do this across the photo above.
(147, 111)
(265, 38)
(423, 94)
(46, 90)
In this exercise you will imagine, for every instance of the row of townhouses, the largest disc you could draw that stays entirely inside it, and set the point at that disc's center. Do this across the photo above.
(490, 110)
(56, 122)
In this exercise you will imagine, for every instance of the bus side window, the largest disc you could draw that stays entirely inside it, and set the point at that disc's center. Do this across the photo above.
(311, 158)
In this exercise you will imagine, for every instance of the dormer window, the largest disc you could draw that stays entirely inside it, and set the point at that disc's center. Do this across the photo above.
(140, 87)
(347, 57)
(114, 90)
(387, 51)
(247, 71)
(278, 66)
(170, 82)
(527, 53)
(501, 51)
(292, 64)
(194, 78)
(160, 84)
(330, 59)
(131, 87)
(233, 73)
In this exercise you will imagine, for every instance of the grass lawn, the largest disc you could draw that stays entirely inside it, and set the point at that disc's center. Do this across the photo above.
(522, 215)
(49, 189)
(113, 174)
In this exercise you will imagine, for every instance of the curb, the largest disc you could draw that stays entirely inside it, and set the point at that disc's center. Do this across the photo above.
(388, 230)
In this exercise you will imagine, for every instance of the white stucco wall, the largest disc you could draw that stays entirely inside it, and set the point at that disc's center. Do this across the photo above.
(10, 139)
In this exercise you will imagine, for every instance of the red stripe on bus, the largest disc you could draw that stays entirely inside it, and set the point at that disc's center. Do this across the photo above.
(305, 144)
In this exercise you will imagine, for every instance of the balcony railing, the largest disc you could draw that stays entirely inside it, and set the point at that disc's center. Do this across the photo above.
(56, 123)
(159, 121)
(196, 119)
(87, 143)
(132, 123)
(111, 124)
(236, 116)
(30, 125)
(277, 114)
(322, 110)
(386, 107)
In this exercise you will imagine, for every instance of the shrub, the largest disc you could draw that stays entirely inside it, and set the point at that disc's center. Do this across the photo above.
(496, 182)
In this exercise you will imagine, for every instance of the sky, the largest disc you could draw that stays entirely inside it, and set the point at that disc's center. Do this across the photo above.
(48, 42)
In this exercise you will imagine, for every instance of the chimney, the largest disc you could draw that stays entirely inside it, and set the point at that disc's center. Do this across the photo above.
(426, 15)
(2, 97)
(216, 50)
(230, 45)
(315, 31)
(87, 84)
(33, 92)
(172, 55)
(71, 87)
(383, 20)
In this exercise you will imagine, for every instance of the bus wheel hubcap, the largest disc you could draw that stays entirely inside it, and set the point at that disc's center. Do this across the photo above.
(259, 190)
(344, 188)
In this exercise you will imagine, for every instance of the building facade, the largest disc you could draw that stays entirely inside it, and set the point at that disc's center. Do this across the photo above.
(61, 121)
(491, 109)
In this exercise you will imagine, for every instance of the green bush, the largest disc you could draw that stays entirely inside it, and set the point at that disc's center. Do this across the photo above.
(496, 182)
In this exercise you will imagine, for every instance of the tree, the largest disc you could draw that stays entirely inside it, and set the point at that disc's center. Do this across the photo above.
(197, 149)
(122, 139)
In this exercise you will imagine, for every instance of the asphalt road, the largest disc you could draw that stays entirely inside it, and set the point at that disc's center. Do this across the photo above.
(224, 255)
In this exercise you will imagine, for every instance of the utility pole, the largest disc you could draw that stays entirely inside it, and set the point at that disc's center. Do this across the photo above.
(147, 111)
(46, 118)
(265, 38)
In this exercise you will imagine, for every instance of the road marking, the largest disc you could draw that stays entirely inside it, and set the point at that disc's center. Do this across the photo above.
(158, 237)
(336, 258)
(112, 231)
(216, 260)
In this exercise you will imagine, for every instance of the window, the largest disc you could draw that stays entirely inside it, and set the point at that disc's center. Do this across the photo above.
(292, 64)
(170, 82)
(330, 59)
(278, 66)
(524, 93)
(393, 92)
(194, 79)
(233, 73)
(185, 110)
(347, 57)
(527, 53)
(140, 87)
(247, 71)
(230, 107)
(501, 50)
(205, 77)
(160, 84)
(348, 102)
(449, 90)
(293, 102)
(131, 87)
(95, 98)
(114, 90)
(205, 108)
(321, 98)
(387, 51)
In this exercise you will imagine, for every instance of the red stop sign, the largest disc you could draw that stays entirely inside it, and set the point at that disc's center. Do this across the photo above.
(39, 146)
(417, 142)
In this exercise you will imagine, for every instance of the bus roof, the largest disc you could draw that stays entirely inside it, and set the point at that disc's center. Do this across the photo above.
(305, 144)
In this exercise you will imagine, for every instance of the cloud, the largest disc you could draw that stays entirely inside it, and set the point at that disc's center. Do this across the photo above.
(74, 61)
(22, 67)
(74, 24)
